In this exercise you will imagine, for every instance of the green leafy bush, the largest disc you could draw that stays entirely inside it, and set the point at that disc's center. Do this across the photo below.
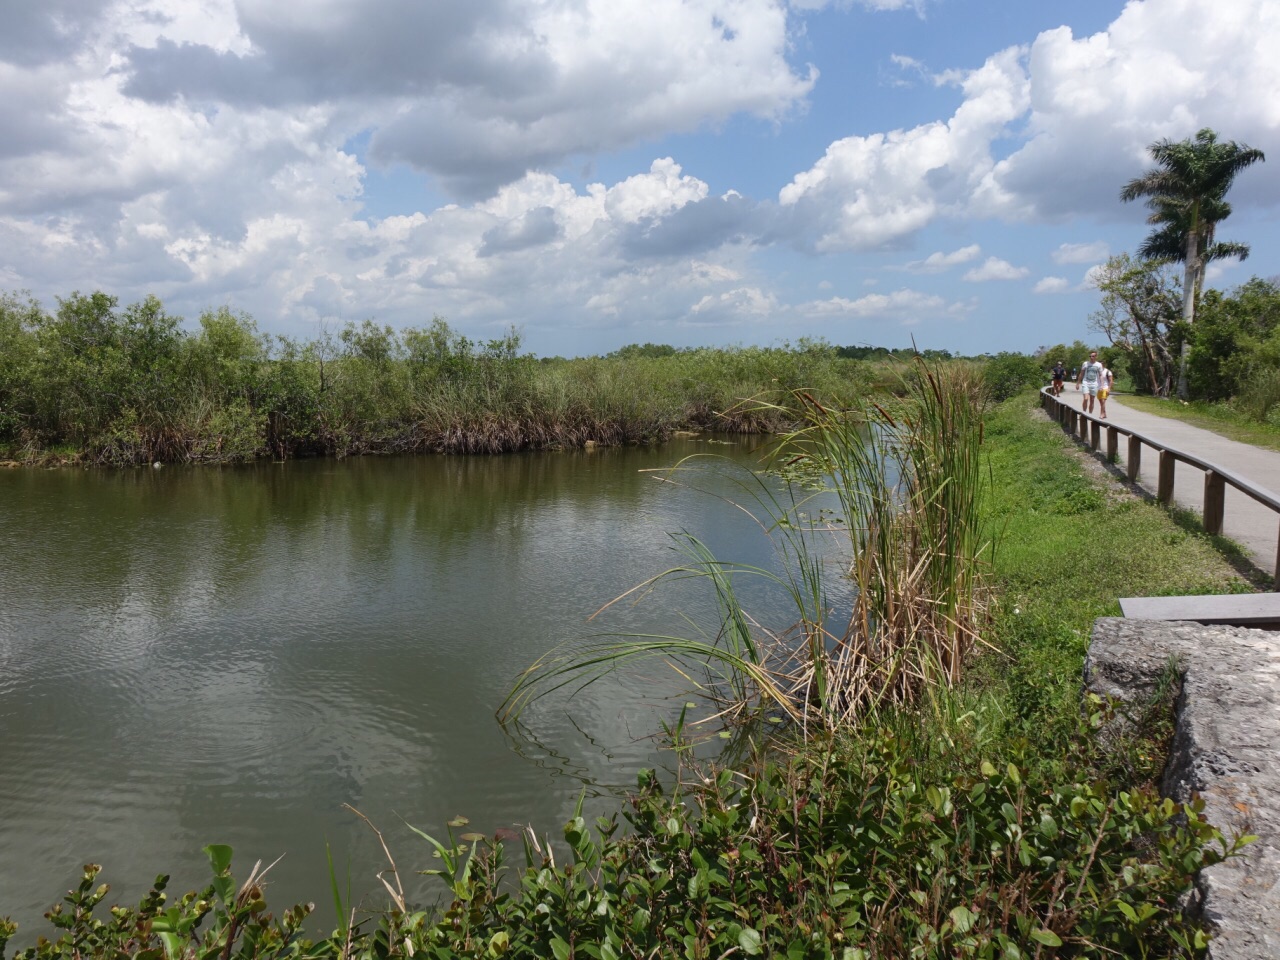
(130, 385)
(1006, 374)
(855, 853)
(1235, 344)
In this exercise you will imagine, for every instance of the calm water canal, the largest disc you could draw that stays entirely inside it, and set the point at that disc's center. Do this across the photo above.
(207, 655)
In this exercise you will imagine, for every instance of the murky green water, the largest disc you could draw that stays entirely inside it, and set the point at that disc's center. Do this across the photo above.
(230, 655)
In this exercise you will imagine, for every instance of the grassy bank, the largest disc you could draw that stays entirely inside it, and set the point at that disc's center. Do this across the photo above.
(987, 823)
(1072, 542)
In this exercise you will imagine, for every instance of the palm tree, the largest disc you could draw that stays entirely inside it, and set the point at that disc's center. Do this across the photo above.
(1167, 243)
(1187, 196)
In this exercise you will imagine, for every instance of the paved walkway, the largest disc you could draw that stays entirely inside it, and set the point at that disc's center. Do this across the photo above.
(1249, 523)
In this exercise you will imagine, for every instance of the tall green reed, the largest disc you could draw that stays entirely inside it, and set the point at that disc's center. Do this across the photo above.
(909, 478)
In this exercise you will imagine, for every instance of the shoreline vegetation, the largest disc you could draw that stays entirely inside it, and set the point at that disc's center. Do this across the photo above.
(96, 383)
(100, 384)
(984, 816)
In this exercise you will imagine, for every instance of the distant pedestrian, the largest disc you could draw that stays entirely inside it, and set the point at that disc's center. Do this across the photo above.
(1104, 391)
(1091, 380)
(1075, 377)
(1059, 374)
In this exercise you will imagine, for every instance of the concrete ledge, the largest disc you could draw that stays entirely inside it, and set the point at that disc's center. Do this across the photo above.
(1261, 610)
(1226, 748)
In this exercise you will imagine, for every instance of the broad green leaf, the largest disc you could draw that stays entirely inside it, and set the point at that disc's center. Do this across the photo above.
(962, 918)
(219, 855)
(698, 885)
(172, 944)
(1047, 937)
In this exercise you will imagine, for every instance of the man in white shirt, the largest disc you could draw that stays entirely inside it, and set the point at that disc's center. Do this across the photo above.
(1091, 380)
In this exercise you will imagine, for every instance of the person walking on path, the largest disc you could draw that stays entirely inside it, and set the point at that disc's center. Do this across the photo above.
(1059, 374)
(1104, 390)
(1090, 380)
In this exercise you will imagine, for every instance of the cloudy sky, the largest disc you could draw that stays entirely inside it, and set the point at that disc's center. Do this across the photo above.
(604, 172)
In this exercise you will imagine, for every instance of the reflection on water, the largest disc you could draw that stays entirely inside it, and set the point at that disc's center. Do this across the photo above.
(207, 655)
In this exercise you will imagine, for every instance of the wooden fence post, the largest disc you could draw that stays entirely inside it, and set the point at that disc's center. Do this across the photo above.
(1135, 458)
(1215, 501)
(1113, 440)
(1276, 583)
(1164, 489)
(1095, 434)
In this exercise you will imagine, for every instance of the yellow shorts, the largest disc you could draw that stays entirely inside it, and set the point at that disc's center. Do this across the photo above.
(1102, 393)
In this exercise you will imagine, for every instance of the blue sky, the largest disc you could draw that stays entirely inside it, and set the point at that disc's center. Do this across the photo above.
(604, 172)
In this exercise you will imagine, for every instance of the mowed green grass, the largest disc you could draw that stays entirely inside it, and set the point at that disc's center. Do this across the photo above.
(1068, 545)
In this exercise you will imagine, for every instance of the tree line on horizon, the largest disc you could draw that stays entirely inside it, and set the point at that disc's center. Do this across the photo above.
(95, 381)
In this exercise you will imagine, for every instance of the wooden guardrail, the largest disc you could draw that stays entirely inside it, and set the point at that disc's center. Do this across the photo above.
(1216, 479)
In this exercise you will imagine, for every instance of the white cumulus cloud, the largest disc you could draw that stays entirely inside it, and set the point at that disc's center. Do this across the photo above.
(733, 305)
(1051, 130)
(231, 151)
(938, 262)
(1081, 252)
(903, 305)
(993, 268)
(1052, 285)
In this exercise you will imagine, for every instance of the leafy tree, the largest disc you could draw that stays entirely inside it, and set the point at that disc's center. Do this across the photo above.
(377, 344)
(1007, 373)
(228, 355)
(438, 352)
(1139, 314)
(150, 344)
(1236, 338)
(1071, 356)
(1168, 241)
(1186, 193)
(17, 353)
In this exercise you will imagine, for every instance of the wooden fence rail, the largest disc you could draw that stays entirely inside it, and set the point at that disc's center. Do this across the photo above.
(1216, 479)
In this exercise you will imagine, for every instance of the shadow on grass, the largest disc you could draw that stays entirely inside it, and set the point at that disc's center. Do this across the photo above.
(1187, 520)
(1191, 522)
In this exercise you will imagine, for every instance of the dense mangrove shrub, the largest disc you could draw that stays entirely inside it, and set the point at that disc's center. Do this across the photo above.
(1235, 340)
(131, 385)
(850, 853)
(1006, 374)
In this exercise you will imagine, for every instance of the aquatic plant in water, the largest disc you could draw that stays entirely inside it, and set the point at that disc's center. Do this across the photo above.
(909, 478)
